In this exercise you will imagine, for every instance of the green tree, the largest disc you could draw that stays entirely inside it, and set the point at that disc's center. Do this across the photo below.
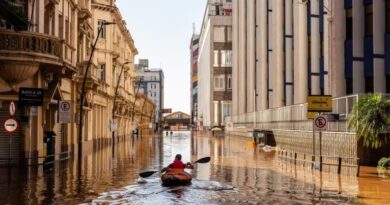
(370, 119)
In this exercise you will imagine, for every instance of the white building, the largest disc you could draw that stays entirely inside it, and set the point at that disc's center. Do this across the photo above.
(151, 83)
(214, 63)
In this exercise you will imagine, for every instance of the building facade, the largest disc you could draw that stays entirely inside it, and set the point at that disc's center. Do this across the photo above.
(194, 53)
(150, 82)
(286, 50)
(215, 64)
(45, 46)
(335, 49)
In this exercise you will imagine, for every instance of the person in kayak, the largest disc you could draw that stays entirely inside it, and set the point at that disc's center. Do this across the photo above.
(178, 164)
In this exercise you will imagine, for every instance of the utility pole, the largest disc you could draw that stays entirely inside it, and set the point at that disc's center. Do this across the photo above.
(82, 94)
(114, 103)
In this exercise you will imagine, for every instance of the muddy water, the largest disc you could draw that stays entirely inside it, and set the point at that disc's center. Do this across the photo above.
(238, 173)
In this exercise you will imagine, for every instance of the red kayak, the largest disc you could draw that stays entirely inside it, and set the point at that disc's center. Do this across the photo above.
(175, 177)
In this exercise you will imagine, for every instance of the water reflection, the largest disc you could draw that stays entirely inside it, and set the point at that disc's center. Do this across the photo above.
(238, 173)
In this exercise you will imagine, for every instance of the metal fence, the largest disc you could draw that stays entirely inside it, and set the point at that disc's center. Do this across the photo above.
(294, 117)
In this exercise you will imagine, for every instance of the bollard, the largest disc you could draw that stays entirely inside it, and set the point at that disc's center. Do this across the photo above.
(339, 166)
(304, 159)
(358, 168)
(295, 158)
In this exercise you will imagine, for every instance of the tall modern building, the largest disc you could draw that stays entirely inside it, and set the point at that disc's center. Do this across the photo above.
(286, 50)
(194, 53)
(215, 64)
(151, 84)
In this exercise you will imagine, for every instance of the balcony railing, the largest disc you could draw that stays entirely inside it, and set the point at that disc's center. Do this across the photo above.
(30, 42)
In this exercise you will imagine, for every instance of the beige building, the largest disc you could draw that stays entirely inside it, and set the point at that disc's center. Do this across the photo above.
(49, 53)
(215, 64)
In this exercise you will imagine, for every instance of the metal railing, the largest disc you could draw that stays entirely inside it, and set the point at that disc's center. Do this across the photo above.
(294, 117)
(335, 161)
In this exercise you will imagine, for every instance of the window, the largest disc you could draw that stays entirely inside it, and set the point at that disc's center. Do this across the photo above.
(229, 83)
(216, 113)
(368, 20)
(229, 34)
(216, 58)
(103, 32)
(226, 58)
(219, 34)
(102, 72)
(349, 32)
(219, 82)
(226, 109)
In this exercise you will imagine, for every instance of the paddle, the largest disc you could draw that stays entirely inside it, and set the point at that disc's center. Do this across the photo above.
(150, 173)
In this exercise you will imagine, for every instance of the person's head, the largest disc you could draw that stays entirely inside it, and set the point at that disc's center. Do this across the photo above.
(178, 157)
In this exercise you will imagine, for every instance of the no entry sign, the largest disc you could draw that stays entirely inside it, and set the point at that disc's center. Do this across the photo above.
(10, 125)
(321, 123)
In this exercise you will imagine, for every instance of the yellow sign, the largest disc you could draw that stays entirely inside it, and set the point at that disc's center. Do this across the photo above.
(319, 103)
(311, 115)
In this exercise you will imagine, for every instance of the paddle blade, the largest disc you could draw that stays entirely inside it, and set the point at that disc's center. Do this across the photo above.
(203, 160)
(147, 174)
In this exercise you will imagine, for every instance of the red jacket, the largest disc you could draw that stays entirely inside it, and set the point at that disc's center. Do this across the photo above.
(177, 164)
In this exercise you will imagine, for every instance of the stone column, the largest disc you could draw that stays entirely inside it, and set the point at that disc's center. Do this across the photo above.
(241, 57)
(263, 72)
(235, 68)
(379, 46)
(300, 52)
(289, 52)
(335, 43)
(250, 55)
(358, 47)
(278, 59)
(315, 48)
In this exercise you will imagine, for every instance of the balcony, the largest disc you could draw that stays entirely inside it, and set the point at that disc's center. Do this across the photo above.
(22, 53)
(92, 81)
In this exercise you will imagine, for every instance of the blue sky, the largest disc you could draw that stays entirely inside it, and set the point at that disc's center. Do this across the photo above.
(162, 30)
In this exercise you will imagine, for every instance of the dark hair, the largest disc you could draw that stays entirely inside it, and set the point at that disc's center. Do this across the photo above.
(178, 157)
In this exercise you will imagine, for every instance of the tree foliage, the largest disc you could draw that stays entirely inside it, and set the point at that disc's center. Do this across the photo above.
(370, 119)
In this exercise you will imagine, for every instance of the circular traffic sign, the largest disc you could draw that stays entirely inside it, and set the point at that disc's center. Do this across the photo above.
(10, 125)
(320, 122)
(12, 108)
(65, 106)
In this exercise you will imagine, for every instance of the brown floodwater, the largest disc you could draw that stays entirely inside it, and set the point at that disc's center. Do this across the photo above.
(238, 173)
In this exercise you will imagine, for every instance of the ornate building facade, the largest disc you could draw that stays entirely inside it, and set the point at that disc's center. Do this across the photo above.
(45, 46)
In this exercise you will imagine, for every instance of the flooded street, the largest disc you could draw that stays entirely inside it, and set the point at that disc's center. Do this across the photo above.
(238, 173)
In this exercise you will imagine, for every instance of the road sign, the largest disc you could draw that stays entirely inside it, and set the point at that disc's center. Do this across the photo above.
(33, 111)
(319, 103)
(31, 96)
(113, 125)
(12, 108)
(320, 123)
(64, 114)
(10, 125)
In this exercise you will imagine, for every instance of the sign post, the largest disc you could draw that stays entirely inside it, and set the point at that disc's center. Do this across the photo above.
(320, 124)
(64, 114)
(10, 126)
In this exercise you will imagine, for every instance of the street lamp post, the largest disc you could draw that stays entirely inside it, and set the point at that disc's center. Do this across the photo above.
(114, 103)
(82, 94)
